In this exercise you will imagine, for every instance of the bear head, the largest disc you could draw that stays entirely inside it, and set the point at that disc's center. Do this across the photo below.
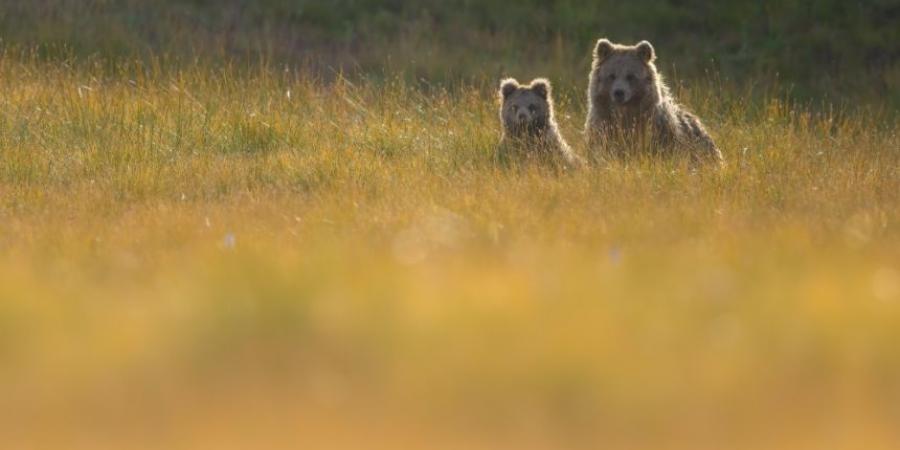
(525, 107)
(624, 75)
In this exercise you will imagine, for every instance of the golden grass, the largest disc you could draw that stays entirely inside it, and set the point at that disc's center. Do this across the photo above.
(255, 259)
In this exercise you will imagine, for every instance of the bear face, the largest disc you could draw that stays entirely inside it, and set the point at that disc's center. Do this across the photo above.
(525, 109)
(624, 76)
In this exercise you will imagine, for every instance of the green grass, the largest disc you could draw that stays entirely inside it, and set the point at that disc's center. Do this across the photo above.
(843, 52)
(203, 257)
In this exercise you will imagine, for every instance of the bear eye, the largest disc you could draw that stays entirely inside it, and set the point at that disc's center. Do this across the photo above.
(630, 77)
(532, 108)
(611, 77)
(515, 108)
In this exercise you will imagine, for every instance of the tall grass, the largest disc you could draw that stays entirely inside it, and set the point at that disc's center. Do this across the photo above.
(844, 51)
(200, 257)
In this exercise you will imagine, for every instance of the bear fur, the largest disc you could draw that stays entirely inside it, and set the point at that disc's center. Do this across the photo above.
(530, 131)
(630, 107)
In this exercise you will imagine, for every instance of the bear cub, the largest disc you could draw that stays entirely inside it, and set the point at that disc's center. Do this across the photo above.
(529, 127)
(628, 102)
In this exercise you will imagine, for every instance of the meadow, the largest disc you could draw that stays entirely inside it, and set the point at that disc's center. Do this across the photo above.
(230, 254)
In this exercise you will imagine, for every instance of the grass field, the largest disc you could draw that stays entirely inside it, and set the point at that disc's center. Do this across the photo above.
(253, 258)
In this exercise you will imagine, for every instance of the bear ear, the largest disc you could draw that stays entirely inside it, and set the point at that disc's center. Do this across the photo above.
(646, 52)
(603, 49)
(508, 86)
(541, 87)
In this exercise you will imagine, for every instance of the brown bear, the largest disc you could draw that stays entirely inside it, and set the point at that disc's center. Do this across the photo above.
(529, 127)
(628, 102)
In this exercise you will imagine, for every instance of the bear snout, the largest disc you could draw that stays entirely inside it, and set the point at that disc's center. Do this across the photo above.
(522, 117)
(619, 96)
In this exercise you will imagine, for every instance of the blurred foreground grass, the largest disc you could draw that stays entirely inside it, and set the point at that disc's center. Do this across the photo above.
(205, 258)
